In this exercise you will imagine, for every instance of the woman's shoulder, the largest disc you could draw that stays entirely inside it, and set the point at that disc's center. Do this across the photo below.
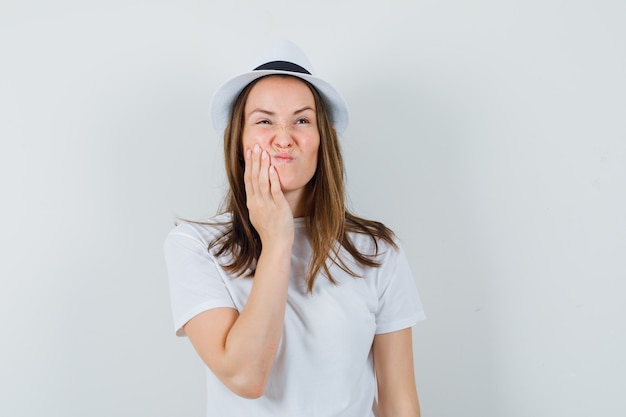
(204, 230)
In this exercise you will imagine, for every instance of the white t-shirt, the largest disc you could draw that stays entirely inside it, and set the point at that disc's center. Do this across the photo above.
(324, 365)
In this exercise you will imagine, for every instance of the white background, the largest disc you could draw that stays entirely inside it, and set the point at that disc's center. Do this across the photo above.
(489, 134)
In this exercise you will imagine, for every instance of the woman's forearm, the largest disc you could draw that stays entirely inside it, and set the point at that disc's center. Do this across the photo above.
(253, 340)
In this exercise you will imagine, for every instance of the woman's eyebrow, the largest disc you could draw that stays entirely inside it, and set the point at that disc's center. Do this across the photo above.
(271, 113)
(259, 110)
(304, 109)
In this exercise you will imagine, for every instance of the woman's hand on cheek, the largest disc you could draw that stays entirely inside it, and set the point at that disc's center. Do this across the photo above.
(270, 213)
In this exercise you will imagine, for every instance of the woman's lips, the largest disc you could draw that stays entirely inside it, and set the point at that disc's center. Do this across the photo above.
(282, 158)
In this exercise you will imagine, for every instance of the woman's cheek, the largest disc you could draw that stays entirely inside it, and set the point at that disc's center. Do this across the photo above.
(253, 137)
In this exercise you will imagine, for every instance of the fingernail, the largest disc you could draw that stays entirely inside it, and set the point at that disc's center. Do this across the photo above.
(264, 155)
(248, 153)
(256, 149)
(271, 169)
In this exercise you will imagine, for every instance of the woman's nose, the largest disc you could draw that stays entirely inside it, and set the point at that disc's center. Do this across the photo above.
(283, 138)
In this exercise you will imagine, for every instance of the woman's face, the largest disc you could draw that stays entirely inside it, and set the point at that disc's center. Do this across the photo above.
(280, 116)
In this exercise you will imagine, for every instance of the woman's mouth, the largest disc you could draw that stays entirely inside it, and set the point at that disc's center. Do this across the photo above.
(282, 158)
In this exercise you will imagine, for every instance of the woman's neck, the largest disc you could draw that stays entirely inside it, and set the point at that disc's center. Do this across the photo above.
(296, 202)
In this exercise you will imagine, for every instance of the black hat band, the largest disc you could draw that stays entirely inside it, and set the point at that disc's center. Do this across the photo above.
(282, 66)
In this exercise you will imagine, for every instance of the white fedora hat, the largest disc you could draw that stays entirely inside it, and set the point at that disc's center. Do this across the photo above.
(283, 57)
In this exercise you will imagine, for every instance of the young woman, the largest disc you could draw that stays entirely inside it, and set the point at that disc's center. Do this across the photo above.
(296, 306)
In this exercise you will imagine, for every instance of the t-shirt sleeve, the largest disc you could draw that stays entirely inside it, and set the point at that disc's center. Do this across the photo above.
(399, 304)
(194, 276)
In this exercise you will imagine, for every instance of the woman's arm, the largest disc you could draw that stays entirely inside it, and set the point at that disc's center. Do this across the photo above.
(240, 348)
(393, 361)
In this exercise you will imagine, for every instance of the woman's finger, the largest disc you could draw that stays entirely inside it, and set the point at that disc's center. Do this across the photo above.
(247, 175)
(264, 181)
(275, 188)
(255, 167)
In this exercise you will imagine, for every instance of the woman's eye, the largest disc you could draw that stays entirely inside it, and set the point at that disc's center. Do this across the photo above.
(302, 121)
(263, 122)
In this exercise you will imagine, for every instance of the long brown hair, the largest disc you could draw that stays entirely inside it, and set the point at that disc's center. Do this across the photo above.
(328, 222)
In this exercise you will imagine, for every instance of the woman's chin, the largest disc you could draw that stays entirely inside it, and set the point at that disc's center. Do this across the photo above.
(290, 184)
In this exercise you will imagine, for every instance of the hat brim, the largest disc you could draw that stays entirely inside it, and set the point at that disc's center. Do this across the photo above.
(227, 93)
